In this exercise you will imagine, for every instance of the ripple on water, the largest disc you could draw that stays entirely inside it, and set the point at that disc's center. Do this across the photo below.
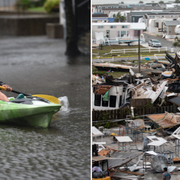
(53, 153)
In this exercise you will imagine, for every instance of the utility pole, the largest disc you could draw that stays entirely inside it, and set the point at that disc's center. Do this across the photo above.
(138, 27)
(139, 52)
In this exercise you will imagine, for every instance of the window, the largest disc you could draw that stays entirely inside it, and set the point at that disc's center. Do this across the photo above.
(112, 101)
(104, 103)
(124, 26)
(97, 101)
(169, 29)
(120, 99)
(122, 33)
(112, 27)
(162, 16)
(100, 27)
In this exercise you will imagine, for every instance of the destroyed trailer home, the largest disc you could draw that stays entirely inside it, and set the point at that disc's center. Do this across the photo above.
(125, 68)
(112, 67)
(137, 90)
(120, 94)
(143, 146)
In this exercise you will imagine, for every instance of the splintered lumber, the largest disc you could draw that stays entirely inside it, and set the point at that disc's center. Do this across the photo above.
(165, 120)
(130, 172)
(175, 172)
(125, 158)
(110, 148)
(176, 159)
(104, 152)
(99, 158)
(121, 175)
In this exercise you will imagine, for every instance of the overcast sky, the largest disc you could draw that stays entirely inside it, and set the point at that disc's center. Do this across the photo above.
(125, 1)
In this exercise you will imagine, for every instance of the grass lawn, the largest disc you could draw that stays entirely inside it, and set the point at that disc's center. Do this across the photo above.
(115, 74)
(107, 49)
(37, 9)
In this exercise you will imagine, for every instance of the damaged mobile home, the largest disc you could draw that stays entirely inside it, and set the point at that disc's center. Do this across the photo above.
(155, 83)
(139, 148)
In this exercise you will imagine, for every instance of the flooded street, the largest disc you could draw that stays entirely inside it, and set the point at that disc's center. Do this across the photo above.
(38, 65)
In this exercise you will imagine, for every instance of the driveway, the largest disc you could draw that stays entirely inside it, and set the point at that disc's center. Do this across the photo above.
(164, 42)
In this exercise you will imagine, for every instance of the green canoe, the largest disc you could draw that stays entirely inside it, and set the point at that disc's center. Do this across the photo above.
(28, 111)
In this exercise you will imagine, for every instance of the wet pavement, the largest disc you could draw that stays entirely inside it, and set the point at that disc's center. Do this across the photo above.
(38, 65)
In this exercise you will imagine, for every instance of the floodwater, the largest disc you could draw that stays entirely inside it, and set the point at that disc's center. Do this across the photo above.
(38, 65)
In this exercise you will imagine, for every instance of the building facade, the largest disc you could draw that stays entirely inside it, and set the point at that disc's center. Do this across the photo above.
(115, 31)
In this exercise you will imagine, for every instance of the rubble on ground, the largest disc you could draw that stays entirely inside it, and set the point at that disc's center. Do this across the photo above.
(139, 148)
(156, 81)
(143, 146)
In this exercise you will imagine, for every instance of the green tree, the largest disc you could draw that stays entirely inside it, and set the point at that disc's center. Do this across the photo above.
(119, 17)
(122, 2)
(141, 2)
(50, 4)
(161, 2)
(71, 34)
(176, 42)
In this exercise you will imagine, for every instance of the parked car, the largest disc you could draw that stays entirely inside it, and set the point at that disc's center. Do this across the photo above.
(154, 43)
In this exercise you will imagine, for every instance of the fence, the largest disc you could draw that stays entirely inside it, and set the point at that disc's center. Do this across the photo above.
(122, 113)
(124, 51)
(118, 40)
(95, 54)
